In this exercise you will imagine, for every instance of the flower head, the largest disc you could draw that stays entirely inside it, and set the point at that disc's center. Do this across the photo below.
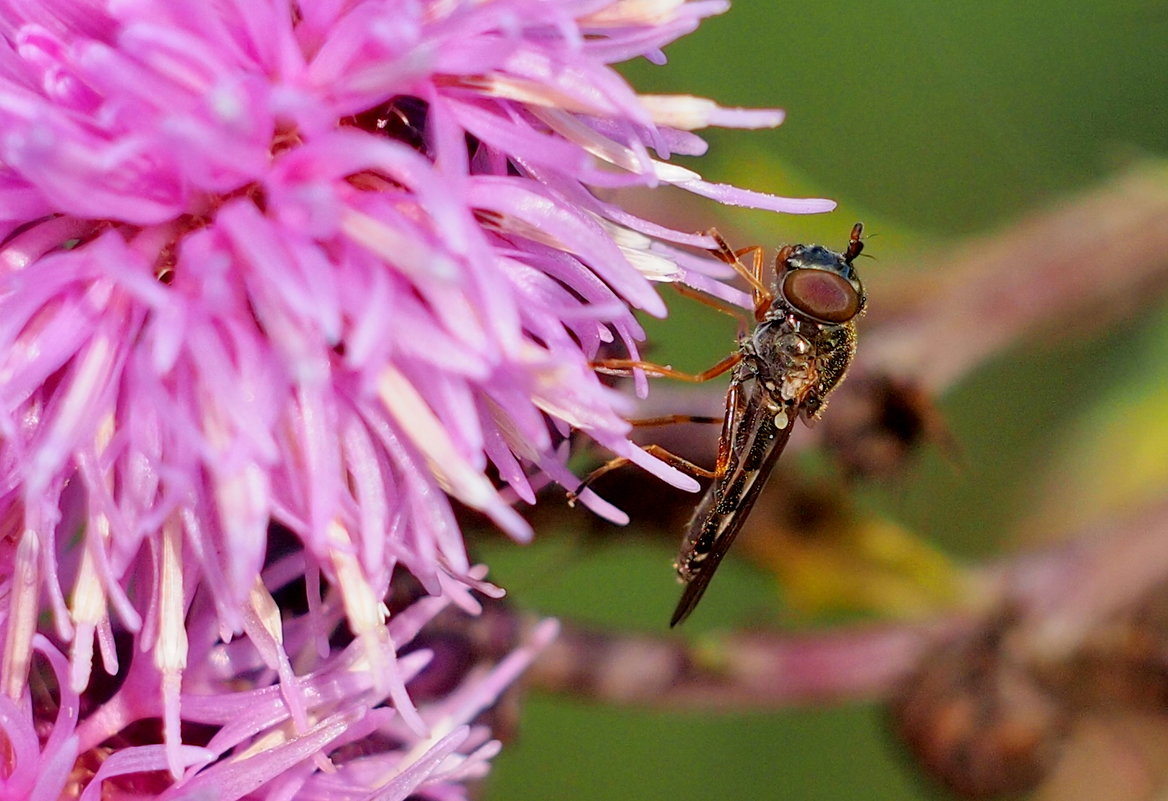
(320, 265)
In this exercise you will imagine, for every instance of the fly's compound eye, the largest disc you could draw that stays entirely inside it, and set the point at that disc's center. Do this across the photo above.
(821, 295)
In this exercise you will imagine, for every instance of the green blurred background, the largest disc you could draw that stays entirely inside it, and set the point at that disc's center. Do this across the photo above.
(931, 122)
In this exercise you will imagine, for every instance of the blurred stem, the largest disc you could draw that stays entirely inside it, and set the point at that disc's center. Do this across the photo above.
(1052, 602)
(750, 671)
(1096, 257)
(1079, 588)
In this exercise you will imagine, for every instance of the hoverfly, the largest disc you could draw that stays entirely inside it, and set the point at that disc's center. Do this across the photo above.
(803, 340)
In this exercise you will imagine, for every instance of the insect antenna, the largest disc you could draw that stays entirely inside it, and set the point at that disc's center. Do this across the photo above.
(855, 243)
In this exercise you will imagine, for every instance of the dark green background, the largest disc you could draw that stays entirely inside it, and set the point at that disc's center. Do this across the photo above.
(928, 121)
(940, 117)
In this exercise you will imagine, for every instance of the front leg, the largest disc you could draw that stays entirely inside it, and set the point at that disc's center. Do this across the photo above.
(626, 366)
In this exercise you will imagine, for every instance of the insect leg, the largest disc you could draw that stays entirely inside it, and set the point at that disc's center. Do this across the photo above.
(668, 457)
(658, 451)
(709, 300)
(673, 419)
(625, 366)
(762, 296)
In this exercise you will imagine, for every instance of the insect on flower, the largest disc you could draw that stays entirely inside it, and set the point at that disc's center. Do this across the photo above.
(803, 340)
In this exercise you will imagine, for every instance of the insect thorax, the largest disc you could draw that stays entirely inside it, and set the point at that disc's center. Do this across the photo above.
(799, 360)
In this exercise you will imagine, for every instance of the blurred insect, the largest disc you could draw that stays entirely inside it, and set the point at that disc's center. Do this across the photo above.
(992, 710)
(978, 718)
(803, 340)
(885, 420)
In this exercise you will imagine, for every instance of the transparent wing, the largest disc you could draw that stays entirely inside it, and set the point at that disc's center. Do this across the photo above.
(755, 440)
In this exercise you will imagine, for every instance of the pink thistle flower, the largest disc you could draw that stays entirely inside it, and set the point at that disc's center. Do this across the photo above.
(314, 264)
